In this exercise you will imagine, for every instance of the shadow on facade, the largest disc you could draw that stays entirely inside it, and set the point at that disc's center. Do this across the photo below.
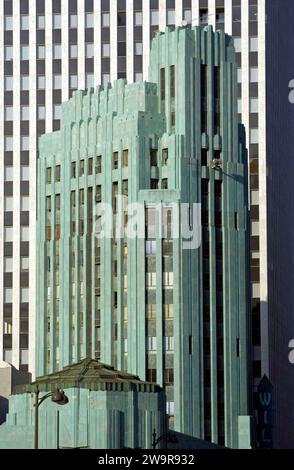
(3, 409)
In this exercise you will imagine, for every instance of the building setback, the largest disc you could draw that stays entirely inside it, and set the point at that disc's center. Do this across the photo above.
(149, 305)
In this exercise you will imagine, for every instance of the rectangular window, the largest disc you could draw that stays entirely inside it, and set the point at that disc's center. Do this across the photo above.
(151, 375)
(254, 136)
(98, 164)
(164, 183)
(82, 167)
(24, 295)
(48, 175)
(253, 44)
(8, 234)
(57, 173)
(90, 166)
(105, 79)
(89, 20)
(73, 21)
(125, 158)
(253, 74)
(73, 169)
(150, 248)
(168, 279)
(8, 23)
(56, 21)
(8, 203)
(8, 326)
(164, 156)
(25, 82)
(168, 311)
(154, 18)
(188, 16)
(168, 376)
(89, 50)
(170, 17)
(56, 51)
(172, 81)
(169, 343)
(24, 173)
(40, 52)
(57, 111)
(8, 143)
(8, 295)
(254, 105)
(24, 22)
(138, 18)
(40, 22)
(24, 203)
(8, 113)
(170, 408)
(138, 48)
(41, 82)
(73, 51)
(8, 53)
(8, 83)
(57, 82)
(41, 112)
(89, 80)
(24, 53)
(151, 343)
(115, 160)
(105, 49)
(153, 157)
(73, 81)
(238, 44)
(151, 311)
(24, 142)
(24, 234)
(8, 173)
(105, 20)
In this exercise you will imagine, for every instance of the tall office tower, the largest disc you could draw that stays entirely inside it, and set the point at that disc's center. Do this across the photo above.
(147, 296)
(48, 48)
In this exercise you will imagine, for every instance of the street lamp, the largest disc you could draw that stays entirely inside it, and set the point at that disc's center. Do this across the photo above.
(216, 164)
(57, 396)
(168, 437)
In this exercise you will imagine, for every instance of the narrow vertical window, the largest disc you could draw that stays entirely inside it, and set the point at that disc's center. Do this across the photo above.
(216, 100)
(203, 98)
(172, 97)
(162, 90)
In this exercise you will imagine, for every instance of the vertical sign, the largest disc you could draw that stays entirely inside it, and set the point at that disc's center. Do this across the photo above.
(265, 413)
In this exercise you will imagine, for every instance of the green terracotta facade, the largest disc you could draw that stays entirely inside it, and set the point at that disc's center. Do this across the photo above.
(171, 315)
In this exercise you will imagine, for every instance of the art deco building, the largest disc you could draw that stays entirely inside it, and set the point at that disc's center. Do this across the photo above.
(171, 312)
